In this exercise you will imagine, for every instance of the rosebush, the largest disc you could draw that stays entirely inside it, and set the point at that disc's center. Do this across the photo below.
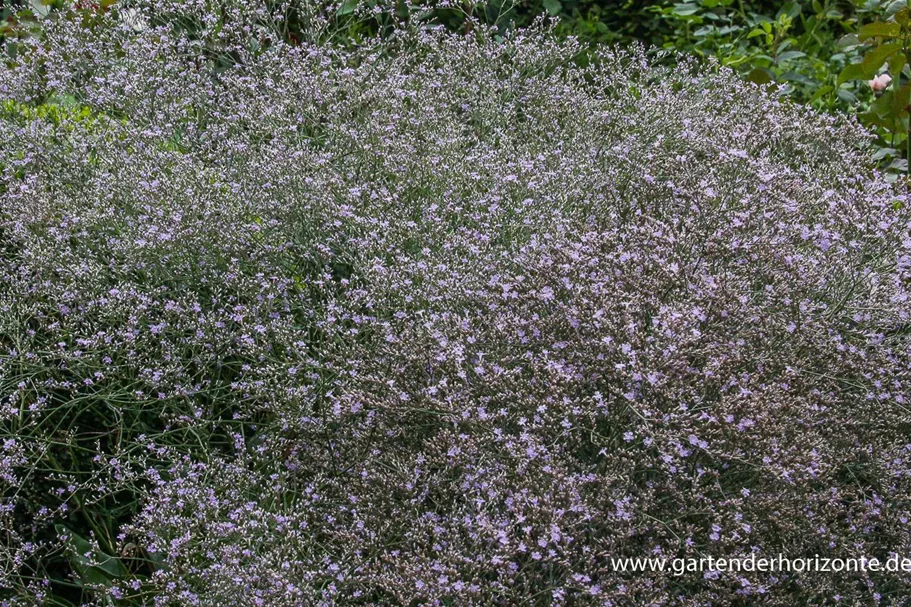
(444, 320)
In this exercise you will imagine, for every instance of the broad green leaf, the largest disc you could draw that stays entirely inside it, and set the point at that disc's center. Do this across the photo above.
(901, 98)
(852, 71)
(882, 107)
(879, 29)
(871, 118)
(899, 164)
(158, 561)
(553, 7)
(884, 153)
(347, 8)
(760, 75)
(876, 57)
(98, 568)
(821, 92)
(848, 40)
(846, 95)
(40, 8)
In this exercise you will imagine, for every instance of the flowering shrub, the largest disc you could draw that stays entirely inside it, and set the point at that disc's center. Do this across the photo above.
(441, 321)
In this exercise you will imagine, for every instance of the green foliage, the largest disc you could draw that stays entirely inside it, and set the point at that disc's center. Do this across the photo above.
(58, 111)
(796, 46)
(92, 564)
(886, 45)
(818, 52)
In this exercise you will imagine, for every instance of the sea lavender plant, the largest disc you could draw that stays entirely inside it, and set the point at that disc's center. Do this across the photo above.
(445, 319)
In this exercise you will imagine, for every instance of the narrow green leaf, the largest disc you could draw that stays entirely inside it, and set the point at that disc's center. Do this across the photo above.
(788, 55)
(897, 64)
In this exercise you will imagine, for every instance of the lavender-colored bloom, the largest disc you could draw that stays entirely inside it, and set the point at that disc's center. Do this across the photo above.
(442, 319)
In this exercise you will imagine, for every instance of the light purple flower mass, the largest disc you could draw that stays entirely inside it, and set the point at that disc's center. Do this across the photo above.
(443, 319)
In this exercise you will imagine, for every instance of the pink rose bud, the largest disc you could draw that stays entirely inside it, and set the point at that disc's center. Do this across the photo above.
(880, 83)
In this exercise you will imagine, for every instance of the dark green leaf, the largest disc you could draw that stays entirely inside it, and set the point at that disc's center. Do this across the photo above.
(901, 98)
(852, 71)
(97, 567)
(760, 75)
(882, 107)
(876, 57)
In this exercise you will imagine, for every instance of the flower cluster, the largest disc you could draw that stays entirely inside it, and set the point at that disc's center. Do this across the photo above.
(440, 320)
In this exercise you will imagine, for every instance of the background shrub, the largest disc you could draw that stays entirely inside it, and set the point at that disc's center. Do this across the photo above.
(442, 319)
